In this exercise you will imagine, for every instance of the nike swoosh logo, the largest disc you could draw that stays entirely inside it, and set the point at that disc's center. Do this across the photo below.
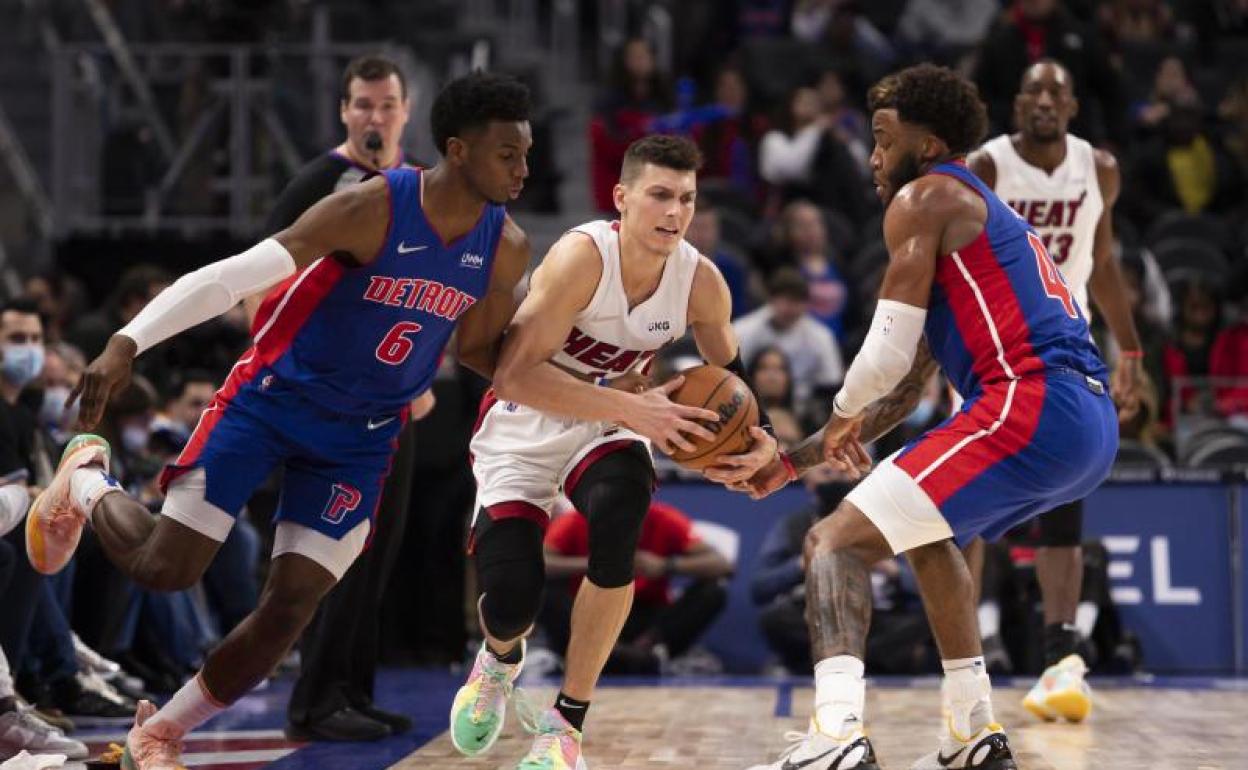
(791, 765)
(409, 249)
(567, 705)
(946, 761)
(375, 425)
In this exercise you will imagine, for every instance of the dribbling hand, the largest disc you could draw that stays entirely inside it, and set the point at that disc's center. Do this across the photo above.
(108, 373)
(667, 423)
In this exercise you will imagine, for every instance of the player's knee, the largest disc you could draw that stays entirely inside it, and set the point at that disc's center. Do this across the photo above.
(614, 495)
(511, 576)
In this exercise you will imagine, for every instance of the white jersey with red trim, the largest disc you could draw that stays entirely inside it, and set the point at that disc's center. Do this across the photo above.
(608, 338)
(1063, 207)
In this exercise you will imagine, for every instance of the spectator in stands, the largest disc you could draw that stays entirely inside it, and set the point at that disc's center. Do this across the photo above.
(134, 290)
(194, 393)
(1229, 359)
(60, 298)
(785, 323)
(899, 641)
(704, 234)
(62, 367)
(637, 94)
(1233, 111)
(763, 18)
(660, 626)
(839, 27)
(1136, 21)
(1185, 167)
(1031, 30)
(771, 379)
(803, 158)
(730, 144)
(1170, 85)
(847, 122)
(1187, 354)
(805, 237)
(944, 30)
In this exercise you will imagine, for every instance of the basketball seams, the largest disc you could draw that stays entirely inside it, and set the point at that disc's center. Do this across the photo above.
(727, 435)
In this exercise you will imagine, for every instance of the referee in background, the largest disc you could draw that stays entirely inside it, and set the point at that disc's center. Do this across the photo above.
(333, 697)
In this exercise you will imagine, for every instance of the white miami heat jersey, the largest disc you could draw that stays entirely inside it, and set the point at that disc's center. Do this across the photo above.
(1063, 207)
(607, 338)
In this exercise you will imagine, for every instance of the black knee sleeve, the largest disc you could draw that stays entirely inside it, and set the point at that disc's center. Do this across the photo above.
(614, 495)
(510, 573)
(1062, 526)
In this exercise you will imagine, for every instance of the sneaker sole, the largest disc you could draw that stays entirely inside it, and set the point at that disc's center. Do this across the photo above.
(1039, 710)
(1072, 705)
(36, 543)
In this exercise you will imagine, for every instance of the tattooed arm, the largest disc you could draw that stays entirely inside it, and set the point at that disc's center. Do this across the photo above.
(879, 418)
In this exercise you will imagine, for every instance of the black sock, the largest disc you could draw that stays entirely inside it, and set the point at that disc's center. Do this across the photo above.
(1060, 640)
(512, 658)
(572, 709)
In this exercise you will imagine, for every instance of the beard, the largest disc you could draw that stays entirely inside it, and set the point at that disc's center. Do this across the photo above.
(906, 172)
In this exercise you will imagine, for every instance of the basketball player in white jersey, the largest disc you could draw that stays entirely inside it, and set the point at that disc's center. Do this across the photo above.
(1065, 188)
(606, 298)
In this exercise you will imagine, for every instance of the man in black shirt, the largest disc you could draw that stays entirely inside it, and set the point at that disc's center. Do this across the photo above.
(333, 697)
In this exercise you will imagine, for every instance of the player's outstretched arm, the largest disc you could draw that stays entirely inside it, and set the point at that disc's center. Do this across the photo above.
(353, 221)
(560, 288)
(480, 332)
(1110, 294)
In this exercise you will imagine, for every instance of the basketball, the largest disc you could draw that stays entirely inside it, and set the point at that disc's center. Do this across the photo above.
(719, 390)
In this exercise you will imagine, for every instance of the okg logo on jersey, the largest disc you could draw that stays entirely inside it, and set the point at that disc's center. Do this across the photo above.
(475, 261)
(1123, 553)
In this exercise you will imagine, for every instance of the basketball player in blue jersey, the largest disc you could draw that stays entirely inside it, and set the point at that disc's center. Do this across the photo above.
(970, 286)
(367, 287)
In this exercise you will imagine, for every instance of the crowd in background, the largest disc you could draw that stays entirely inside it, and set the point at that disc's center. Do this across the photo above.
(773, 92)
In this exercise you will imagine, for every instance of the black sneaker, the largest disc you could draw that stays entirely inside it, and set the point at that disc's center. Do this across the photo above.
(77, 701)
(397, 723)
(345, 724)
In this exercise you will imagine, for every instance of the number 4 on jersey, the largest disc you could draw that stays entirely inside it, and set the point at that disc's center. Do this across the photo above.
(1054, 284)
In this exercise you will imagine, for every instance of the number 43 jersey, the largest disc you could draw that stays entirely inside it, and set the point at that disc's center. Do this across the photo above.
(1063, 207)
(1000, 309)
(366, 340)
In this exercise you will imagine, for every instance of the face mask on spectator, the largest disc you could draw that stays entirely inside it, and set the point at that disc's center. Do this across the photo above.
(53, 413)
(22, 363)
(134, 438)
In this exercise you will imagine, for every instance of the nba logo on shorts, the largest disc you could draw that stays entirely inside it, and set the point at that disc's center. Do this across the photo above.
(344, 500)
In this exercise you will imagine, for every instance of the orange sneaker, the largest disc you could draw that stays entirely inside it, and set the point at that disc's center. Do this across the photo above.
(54, 523)
(158, 747)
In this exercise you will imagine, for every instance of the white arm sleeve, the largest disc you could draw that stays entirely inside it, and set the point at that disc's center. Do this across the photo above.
(208, 292)
(886, 356)
(14, 500)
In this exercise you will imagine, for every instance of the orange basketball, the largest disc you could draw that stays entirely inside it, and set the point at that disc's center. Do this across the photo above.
(719, 390)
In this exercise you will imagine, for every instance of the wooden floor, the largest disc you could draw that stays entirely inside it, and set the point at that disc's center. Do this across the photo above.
(732, 728)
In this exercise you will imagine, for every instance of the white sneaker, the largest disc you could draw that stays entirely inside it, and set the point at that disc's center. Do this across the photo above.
(1061, 692)
(813, 750)
(95, 683)
(22, 729)
(90, 659)
(987, 749)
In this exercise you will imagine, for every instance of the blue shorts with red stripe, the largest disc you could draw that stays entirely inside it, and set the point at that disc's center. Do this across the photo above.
(1015, 450)
(334, 465)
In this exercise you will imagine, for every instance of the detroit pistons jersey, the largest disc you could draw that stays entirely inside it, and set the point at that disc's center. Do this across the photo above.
(1063, 207)
(608, 338)
(1000, 309)
(366, 340)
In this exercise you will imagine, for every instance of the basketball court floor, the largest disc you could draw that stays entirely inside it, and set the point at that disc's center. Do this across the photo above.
(1188, 723)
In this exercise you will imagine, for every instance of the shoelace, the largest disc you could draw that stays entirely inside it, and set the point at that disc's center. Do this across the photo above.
(530, 716)
(492, 680)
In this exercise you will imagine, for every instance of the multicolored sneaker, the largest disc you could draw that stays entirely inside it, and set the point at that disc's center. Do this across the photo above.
(815, 750)
(556, 744)
(480, 706)
(987, 749)
(54, 523)
(1061, 692)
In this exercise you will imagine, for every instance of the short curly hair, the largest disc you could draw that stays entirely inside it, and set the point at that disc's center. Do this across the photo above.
(938, 99)
(475, 100)
(663, 150)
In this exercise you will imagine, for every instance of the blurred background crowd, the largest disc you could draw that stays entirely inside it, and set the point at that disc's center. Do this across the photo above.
(141, 138)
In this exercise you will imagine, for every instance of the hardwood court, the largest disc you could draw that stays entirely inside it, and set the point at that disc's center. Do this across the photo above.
(732, 728)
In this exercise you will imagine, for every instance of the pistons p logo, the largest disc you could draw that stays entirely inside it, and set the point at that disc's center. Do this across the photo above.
(345, 499)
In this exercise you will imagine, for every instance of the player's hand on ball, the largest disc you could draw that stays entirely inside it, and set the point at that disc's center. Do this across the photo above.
(730, 469)
(772, 476)
(667, 423)
(841, 447)
(108, 373)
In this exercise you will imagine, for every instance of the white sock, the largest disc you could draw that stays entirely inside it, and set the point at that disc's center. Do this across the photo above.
(966, 692)
(189, 707)
(840, 693)
(88, 485)
(989, 619)
(1085, 618)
